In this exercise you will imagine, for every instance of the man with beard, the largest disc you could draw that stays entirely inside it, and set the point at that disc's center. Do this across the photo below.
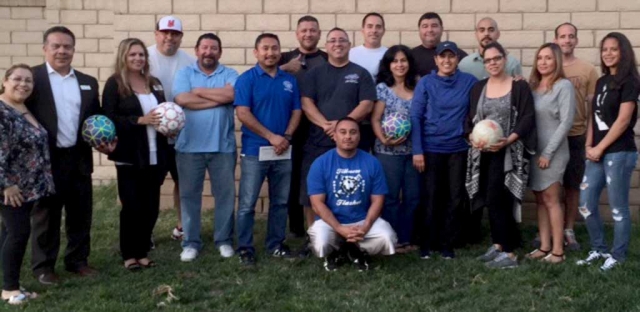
(347, 188)
(298, 62)
(207, 143)
(583, 76)
(430, 29)
(267, 102)
(165, 59)
(332, 91)
(487, 32)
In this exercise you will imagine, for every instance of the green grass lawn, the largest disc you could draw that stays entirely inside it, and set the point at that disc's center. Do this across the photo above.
(398, 283)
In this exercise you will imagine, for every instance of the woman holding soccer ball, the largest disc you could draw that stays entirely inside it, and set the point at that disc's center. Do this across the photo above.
(129, 98)
(396, 81)
(497, 173)
(555, 108)
(438, 113)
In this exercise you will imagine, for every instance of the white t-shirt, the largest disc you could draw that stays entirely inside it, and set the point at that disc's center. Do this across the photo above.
(149, 102)
(367, 58)
(165, 67)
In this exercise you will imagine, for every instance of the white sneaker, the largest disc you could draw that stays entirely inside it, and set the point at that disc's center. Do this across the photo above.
(593, 256)
(188, 254)
(226, 251)
(609, 264)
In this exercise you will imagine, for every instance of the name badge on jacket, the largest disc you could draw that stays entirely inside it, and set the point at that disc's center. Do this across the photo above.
(158, 88)
(85, 87)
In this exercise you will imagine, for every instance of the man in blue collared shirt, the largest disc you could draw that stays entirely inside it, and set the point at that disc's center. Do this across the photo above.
(207, 143)
(267, 102)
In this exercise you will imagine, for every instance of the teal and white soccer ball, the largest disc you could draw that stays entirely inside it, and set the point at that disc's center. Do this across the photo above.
(98, 129)
(396, 125)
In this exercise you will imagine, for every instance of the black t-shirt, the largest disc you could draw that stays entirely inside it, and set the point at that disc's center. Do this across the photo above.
(606, 106)
(425, 59)
(308, 61)
(336, 91)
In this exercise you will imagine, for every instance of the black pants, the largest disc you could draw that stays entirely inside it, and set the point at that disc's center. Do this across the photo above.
(74, 192)
(296, 210)
(445, 198)
(16, 228)
(499, 201)
(139, 191)
(367, 138)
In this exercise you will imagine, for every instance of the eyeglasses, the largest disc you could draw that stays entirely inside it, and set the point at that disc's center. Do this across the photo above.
(494, 59)
(338, 41)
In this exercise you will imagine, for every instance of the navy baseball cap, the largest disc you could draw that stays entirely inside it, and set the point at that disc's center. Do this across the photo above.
(447, 45)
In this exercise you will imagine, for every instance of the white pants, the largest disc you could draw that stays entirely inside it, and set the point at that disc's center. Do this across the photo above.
(380, 240)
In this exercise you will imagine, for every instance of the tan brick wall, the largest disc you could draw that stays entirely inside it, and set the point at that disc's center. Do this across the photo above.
(100, 24)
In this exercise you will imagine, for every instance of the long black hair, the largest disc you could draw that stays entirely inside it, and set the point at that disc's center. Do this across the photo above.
(384, 73)
(627, 66)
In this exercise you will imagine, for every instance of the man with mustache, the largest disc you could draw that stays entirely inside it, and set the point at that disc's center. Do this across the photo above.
(347, 188)
(267, 102)
(583, 76)
(207, 143)
(62, 99)
(165, 59)
(298, 62)
(487, 32)
(430, 29)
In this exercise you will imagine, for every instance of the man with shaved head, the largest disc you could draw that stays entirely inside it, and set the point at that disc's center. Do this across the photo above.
(487, 32)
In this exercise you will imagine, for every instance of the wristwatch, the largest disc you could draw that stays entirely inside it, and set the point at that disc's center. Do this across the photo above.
(288, 137)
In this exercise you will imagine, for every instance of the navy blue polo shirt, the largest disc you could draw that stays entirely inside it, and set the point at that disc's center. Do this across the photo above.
(271, 100)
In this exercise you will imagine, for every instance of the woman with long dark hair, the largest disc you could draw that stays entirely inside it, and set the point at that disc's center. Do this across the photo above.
(555, 108)
(497, 174)
(25, 175)
(129, 98)
(611, 150)
(396, 80)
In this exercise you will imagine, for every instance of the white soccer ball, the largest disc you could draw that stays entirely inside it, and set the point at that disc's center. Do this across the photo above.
(486, 132)
(172, 118)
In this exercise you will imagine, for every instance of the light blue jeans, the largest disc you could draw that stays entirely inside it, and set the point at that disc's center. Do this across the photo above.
(253, 172)
(191, 170)
(614, 172)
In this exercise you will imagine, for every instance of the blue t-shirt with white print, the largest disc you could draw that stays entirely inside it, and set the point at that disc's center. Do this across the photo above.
(348, 183)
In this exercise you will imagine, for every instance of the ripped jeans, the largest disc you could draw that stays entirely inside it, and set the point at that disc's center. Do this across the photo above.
(614, 172)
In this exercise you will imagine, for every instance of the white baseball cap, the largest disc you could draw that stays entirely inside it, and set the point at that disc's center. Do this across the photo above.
(170, 23)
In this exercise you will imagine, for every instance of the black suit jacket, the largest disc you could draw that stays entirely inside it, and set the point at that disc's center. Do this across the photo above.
(43, 107)
(133, 142)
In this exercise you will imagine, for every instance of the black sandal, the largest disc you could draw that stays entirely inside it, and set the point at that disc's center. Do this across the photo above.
(133, 266)
(150, 264)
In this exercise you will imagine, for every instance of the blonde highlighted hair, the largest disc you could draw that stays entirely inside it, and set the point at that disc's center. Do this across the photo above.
(121, 70)
(535, 79)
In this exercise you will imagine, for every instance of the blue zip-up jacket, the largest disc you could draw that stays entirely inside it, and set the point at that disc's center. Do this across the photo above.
(438, 112)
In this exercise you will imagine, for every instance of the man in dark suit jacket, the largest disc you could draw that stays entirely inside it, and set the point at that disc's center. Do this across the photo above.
(62, 99)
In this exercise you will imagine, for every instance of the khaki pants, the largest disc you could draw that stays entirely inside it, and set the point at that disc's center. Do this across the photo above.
(380, 240)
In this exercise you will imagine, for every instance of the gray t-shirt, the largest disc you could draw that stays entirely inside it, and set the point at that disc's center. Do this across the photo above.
(336, 91)
(498, 110)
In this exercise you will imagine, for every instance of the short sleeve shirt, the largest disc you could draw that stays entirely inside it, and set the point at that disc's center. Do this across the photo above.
(207, 130)
(348, 183)
(393, 104)
(271, 100)
(336, 92)
(606, 106)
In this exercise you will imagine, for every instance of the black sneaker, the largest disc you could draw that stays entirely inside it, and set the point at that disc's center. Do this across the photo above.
(246, 258)
(282, 251)
(362, 262)
(448, 254)
(304, 252)
(334, 260)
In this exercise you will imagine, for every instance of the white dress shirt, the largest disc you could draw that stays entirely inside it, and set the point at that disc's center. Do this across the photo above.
(66, 95)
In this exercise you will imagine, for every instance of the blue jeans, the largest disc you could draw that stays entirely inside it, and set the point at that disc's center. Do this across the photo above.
(191, 169)
(253, 172)
(403, 178)
(613, 171)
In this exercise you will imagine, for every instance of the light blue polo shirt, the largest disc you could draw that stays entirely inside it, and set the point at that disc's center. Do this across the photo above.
(208, 130)
(271, 100)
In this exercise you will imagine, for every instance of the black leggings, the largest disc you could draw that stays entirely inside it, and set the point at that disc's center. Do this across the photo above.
(16, 228)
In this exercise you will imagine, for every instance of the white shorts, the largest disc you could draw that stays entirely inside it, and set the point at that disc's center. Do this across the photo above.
(380, 240)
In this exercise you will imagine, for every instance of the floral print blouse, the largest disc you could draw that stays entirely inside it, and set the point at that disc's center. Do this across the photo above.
(24, 156)
(393, 104)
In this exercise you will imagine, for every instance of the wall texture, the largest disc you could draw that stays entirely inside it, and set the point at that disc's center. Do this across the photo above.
(100, 24)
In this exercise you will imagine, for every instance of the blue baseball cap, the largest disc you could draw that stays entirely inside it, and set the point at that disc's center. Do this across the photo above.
(447, 45)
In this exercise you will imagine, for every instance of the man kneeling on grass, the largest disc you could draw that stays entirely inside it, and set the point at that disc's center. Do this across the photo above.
(347, 187)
